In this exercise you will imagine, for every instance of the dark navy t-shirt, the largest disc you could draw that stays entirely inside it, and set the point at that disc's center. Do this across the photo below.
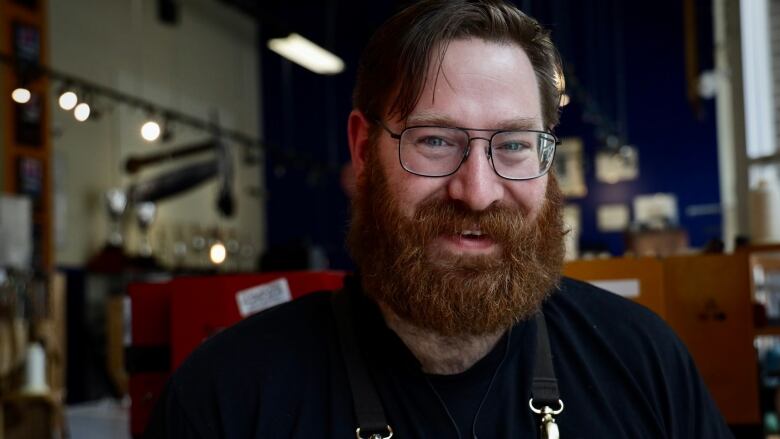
(622, 373)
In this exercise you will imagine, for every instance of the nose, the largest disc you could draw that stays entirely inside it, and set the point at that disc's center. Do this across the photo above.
(475, 183)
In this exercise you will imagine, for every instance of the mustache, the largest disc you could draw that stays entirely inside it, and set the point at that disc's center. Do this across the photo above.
(436, 217)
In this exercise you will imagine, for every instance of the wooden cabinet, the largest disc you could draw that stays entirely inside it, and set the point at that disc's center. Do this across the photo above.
(647, 272)
(709, 304)
(707, 300)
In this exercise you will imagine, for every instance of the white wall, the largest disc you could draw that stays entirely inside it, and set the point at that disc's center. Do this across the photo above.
(208, 61)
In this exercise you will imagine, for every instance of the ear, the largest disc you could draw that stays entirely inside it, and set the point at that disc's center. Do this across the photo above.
(358, 128)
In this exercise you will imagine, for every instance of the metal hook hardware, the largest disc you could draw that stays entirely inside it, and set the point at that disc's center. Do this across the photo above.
(375, 435)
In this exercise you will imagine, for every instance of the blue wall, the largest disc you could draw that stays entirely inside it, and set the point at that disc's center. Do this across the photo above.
(305, 114)
(677, 147)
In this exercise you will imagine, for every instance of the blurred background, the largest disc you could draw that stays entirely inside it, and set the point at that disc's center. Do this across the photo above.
(171, 166)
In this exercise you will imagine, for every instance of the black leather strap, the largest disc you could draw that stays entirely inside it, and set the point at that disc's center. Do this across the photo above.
(544, 387)
(368, 409)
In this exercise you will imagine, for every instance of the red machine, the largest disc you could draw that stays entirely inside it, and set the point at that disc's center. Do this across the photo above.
(170, 319)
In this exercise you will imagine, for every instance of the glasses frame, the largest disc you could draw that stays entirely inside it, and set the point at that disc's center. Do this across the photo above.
(467, 150)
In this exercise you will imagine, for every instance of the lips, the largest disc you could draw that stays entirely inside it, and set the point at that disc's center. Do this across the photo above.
(467, 241)
(473, 236)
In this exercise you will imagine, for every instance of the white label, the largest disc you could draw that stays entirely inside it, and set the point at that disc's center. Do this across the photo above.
(613, 217)
(622, 287)
(15, 232)
(260, 297)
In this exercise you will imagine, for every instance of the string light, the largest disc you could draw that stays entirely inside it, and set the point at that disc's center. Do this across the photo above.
(150, 131)
(85, 90)
(81, 112)
(21, 95)
(68, 100)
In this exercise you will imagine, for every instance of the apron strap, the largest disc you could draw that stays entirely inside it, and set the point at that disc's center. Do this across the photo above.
(372, 423)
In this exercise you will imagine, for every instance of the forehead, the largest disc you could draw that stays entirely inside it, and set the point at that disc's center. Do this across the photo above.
(480, 84)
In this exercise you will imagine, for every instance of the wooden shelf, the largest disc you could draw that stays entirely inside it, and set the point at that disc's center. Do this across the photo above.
(12, 12)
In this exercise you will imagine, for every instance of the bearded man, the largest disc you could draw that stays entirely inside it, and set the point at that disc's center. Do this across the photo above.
(458, 323)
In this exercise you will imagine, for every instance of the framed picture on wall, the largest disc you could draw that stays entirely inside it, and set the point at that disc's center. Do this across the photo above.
(615, 166)
(26, 44)
(569, 168)
(613, 217)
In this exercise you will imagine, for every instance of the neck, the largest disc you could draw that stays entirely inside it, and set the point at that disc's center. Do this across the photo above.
(440, 354)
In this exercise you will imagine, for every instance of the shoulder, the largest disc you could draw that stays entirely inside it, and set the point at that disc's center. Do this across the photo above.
(577, 299)
(228, 380)
(268, 337)
(615, 335)
(579, 293)
(591, 314)
(622, 343)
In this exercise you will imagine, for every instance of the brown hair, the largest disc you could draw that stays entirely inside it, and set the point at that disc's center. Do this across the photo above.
(397, 58)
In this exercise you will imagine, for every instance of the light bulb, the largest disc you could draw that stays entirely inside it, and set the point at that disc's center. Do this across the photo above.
(150, 131)
(21, 95)
(81, 112)
(68, 100)
(217, 253)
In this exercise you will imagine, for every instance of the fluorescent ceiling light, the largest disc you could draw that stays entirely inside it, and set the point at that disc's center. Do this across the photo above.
(307, 54)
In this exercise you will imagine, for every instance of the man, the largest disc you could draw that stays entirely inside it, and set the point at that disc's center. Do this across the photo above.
(457, 233)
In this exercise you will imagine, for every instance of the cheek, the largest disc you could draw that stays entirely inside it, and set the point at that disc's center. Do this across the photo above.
(528, 195)
(412, 190)
(408, 190)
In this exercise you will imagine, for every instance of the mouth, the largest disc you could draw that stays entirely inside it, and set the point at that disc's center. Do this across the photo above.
(468, 241)
(473, 235)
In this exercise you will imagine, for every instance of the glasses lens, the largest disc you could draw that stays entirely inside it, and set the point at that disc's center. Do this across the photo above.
(522, 154)
(432, 151)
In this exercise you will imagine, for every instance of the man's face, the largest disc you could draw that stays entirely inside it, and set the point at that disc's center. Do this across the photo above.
(481, 85)
(471, 252)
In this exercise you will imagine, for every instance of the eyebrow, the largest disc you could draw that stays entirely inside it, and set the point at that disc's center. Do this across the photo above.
(520, 123)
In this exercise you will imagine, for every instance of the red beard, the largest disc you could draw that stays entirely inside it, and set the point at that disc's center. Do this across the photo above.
(451, 294)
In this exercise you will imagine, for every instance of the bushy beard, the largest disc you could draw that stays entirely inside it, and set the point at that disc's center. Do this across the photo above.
(447, 293)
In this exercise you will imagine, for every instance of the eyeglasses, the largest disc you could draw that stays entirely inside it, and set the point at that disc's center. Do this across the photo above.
(437, 151)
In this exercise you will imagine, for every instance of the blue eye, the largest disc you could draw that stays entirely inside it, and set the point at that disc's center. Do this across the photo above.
(512, 146)
(433, 141)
